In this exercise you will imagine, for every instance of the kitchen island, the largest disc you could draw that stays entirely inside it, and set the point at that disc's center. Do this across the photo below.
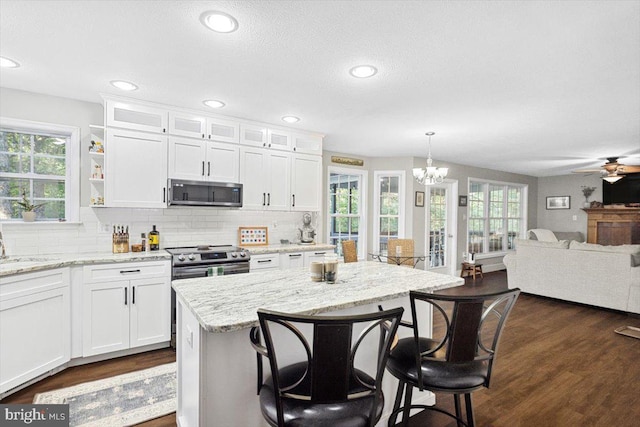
(216, 363)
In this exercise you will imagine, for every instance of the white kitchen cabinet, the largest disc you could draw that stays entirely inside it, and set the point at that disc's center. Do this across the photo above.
(125, 305)
(264, 262)
(35, 325)
(128, 115)
(253, 135)
(306, 182)
(291, 260)
(186, 124)
(222, 130)
(135, 169)
(195, 160)
(279, 139)
(317, 256)
(265, 176)
(307, 143)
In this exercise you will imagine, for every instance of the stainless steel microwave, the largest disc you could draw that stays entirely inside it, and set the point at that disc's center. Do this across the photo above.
(202, 193)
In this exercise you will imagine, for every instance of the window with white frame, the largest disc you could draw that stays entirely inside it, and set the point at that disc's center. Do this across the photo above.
(39, 162)
(496, 216)
(347, 209)
(388, 208)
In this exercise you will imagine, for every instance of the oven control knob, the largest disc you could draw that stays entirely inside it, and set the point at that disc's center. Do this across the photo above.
(192, 257)
(234, 255)
(243, 254)
(181, 257)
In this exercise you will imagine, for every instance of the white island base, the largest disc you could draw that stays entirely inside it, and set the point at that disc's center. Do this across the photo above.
(217, 374)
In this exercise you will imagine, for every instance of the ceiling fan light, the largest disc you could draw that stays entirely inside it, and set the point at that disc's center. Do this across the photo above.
(612, 179)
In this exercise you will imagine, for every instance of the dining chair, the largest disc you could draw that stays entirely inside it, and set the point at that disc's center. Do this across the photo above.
(321, 385)
(400, 252)
(459, 354)
(349, 251)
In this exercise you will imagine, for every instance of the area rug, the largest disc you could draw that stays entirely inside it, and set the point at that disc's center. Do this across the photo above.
(122, 400)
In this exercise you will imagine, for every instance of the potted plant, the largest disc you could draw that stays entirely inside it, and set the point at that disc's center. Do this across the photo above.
(28, 208)
(587, 191)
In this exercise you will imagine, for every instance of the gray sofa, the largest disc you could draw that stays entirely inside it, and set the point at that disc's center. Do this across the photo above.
(603, 276)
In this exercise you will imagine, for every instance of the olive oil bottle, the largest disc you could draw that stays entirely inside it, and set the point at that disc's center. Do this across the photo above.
(154, 239)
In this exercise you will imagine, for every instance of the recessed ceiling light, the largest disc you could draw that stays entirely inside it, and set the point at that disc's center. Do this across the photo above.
(363, 71)
(219, 22)
(8, 63)
(213, 103)
(123, 85)
(291, 119)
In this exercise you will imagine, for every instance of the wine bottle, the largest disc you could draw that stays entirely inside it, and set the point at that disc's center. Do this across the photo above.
(154, 240)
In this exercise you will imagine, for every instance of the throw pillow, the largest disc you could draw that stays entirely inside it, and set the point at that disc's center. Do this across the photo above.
(543, 235)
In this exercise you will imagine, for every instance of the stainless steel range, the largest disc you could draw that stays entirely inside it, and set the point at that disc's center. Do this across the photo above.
(195, 261)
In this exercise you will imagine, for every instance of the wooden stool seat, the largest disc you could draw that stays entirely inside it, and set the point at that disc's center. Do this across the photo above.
(471, 270)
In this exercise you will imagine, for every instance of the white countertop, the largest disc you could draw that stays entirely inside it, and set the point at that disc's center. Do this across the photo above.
(271, 249)
(229, 303)
(27, 264)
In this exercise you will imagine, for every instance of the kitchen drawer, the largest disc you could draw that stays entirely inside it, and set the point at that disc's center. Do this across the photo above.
(127, 271)
(264, 262)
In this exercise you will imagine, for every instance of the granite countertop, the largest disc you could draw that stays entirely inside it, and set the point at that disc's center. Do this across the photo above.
(26, 264)
(229, 303)
(272, 249)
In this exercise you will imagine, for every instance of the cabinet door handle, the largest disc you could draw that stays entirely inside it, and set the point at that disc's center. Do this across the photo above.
(263, 199)
(264, 260)
(203, 136)
(133, 295)
(129, 271)
(268, 199)
(125, 296)
(294, 200)
(294, 255)
(164, 130)
(164, 194)
(319, 253)
(203, 168)
(208, 168)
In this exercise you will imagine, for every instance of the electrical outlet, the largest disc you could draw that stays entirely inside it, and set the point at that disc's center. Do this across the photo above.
(275, 224)
(575, 217)
(104, 228)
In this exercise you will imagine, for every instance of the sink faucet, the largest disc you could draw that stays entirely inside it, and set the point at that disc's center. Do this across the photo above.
(4, 252)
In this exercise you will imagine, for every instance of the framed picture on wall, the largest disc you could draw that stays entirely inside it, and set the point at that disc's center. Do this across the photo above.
(559, 202)
(462, 200)
(419, 199)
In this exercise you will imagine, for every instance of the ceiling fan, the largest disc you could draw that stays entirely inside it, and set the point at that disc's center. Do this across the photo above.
(612, 171)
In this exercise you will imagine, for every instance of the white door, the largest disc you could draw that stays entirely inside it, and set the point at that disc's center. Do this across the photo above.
(36, 335)
(186, 159)
(223, 162)
(253, 164)
(306, 182)
(278, 176)
(149, 311)
(440, 227)
(105, 317)
(136, 171)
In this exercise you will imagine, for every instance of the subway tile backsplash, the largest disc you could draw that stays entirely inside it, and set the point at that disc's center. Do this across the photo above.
(177, 227)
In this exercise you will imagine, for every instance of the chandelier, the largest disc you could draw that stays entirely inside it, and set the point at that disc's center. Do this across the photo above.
(431, 174)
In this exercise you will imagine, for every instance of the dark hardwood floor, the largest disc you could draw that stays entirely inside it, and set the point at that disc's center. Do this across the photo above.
(559, 364)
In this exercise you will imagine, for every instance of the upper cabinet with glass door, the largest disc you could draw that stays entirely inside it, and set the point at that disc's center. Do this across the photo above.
(202, 127)
(124, 114)
(307, 143)
(261, 136)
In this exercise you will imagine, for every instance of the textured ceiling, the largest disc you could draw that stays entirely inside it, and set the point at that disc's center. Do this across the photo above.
(536, 87)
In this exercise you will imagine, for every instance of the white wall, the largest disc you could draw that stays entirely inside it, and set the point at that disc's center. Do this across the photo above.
(178, 226)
